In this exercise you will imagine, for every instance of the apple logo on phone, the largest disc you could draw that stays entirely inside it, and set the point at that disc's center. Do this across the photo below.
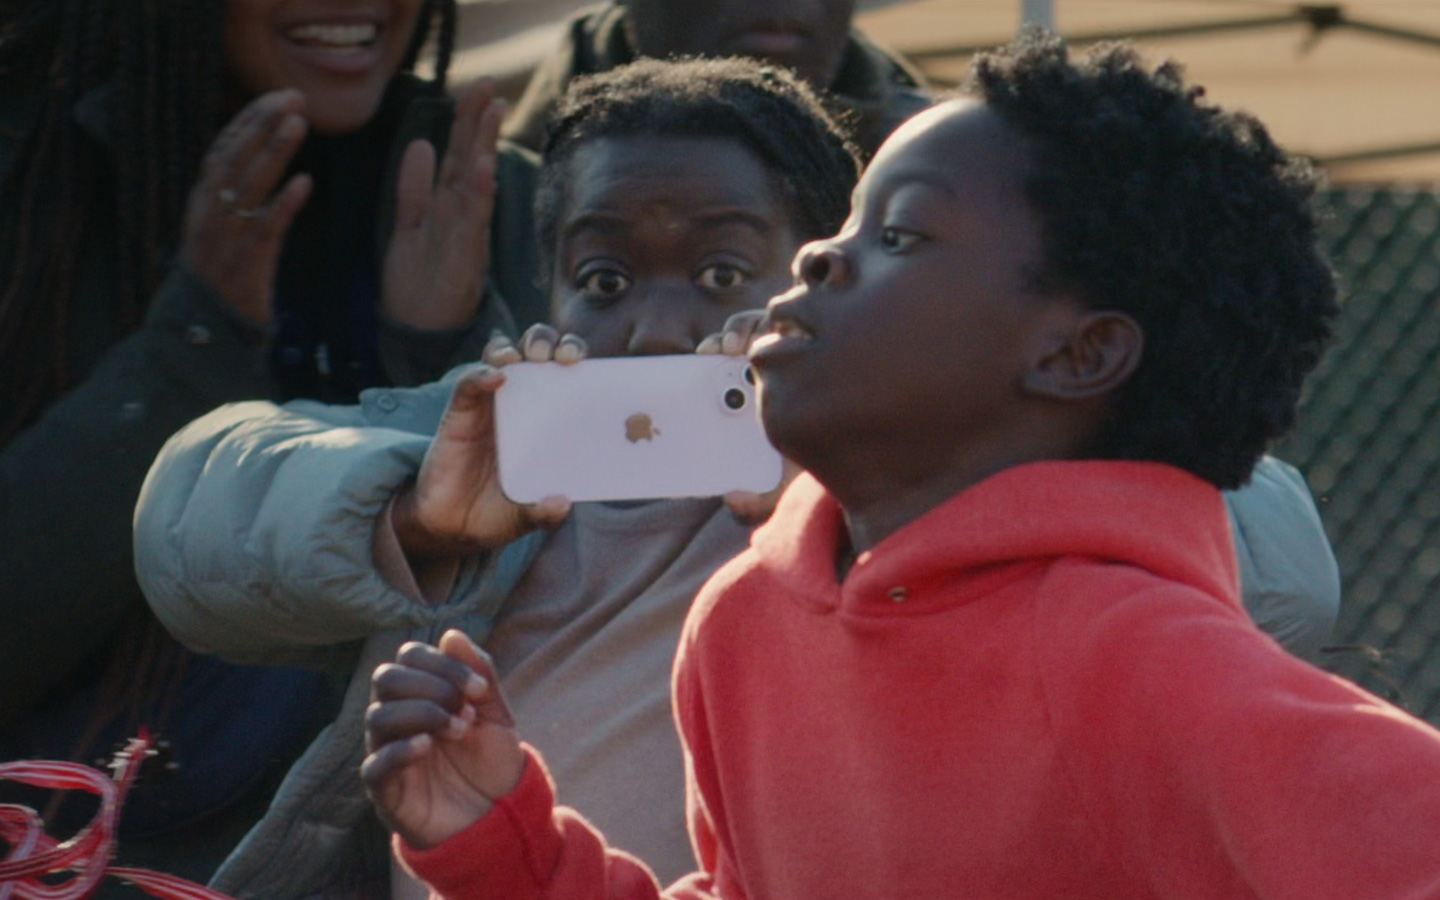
(639, 427)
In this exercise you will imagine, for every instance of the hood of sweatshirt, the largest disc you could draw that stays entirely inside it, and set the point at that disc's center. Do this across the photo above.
(1147, 515)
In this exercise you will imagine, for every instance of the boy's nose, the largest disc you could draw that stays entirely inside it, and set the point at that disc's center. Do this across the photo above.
(820, 262)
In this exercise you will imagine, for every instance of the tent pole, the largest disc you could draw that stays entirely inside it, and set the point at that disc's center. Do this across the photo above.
(1038, 12)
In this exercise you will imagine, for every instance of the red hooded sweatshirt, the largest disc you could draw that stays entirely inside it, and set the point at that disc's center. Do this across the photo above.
(1045, 688)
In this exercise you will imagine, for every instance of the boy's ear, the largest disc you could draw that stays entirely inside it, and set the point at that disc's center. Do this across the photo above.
(1093, 357)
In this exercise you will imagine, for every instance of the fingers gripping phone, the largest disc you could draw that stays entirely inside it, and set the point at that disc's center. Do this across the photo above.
(632, 428)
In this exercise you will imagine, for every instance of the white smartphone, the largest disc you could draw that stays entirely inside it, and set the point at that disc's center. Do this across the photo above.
(632, 428)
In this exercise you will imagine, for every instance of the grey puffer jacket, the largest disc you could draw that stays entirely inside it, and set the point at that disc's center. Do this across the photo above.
(281, 598)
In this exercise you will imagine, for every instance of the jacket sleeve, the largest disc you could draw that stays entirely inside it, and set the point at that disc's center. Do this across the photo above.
(68, 482)
(1288, 575)
(254, 530)
(527, 848)
(1210, 763)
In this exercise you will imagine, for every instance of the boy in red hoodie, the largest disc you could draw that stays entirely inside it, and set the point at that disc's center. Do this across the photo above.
(991, 646)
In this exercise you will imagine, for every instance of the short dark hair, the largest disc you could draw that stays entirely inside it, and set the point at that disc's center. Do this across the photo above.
(1189, 219)
(763, 107)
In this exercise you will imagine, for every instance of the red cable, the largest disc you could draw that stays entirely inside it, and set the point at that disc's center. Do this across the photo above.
(87, 855)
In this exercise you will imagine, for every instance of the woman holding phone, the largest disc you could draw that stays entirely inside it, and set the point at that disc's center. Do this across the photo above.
(646, 253)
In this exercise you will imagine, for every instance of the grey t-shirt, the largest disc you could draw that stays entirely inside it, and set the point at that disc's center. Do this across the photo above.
(585, 647)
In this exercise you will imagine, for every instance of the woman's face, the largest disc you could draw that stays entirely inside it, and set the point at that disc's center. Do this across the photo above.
(339, 53)
(654, 251)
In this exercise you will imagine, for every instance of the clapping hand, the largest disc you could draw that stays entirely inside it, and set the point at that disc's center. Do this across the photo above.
(439, 255)
(238, 213)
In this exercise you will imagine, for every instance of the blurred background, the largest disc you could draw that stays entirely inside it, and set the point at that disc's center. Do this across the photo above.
(1354, 85)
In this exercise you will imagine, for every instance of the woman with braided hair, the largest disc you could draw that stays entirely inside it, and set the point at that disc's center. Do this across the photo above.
(156, 262)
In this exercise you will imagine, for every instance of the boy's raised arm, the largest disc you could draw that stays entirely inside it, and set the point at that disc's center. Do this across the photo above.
(472, 808)
(441, 740)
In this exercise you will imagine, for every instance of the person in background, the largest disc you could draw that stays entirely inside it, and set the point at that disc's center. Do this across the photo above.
(156, 262)
(869, 87)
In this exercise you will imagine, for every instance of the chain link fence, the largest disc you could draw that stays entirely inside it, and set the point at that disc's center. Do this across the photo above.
(1368, 440)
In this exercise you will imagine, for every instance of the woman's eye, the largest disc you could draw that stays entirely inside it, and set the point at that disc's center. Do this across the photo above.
(603, 284)
(898, 240)
(722, 277)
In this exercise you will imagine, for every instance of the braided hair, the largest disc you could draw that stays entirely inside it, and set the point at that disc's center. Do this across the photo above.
(764, 107)
(1188, 218)
(160, 62)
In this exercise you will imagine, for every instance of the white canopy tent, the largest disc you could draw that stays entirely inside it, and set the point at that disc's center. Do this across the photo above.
(1355, 84)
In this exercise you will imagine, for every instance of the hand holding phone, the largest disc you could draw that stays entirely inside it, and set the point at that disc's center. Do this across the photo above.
(455, 508)
(632, 428)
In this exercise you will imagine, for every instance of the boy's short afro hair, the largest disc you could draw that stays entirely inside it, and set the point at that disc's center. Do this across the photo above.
(764, 107)
(1187, 218)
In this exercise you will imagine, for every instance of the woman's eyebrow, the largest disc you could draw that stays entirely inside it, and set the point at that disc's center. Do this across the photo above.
(722, 217)
(610, 223)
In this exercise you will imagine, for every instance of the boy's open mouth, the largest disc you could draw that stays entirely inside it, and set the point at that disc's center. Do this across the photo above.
(782, 337)
(785, 328)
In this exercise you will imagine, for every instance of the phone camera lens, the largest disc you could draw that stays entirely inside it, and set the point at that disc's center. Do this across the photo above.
(735, 399)
(749, 375)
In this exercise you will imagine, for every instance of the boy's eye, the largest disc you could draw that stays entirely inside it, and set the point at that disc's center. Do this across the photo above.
(603, 284)
(898, 240)
(721, 277)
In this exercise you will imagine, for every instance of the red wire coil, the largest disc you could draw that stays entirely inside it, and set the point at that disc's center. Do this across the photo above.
(87, 855)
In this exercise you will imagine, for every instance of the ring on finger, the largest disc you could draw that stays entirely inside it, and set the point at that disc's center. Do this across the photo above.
(228, 201)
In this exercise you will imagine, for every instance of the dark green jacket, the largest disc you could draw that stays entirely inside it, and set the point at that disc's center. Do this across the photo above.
(874, 85)
(70, 479)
